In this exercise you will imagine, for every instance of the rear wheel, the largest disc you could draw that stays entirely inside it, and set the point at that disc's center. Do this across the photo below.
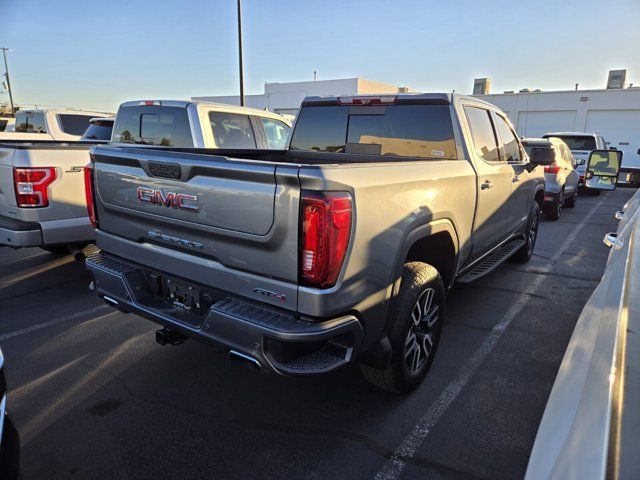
(415, 324)
(531, 234)
(572, 200)
(553, 211)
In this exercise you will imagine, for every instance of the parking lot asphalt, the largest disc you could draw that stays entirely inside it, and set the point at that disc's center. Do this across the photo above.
(94, 396)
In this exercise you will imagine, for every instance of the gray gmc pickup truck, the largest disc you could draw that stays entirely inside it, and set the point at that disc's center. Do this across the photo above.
(343, 246)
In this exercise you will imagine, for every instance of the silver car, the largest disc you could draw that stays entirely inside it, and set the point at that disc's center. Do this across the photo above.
(561, 178)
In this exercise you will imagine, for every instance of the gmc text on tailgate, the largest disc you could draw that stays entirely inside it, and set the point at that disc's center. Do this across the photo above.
(341, 247)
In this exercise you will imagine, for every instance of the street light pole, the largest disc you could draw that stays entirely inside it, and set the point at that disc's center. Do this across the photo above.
(6, 69)
(240, 53)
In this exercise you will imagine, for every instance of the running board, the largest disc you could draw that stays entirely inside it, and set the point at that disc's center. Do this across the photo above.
(493, 261)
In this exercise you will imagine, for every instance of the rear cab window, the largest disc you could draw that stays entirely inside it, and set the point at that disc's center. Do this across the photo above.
(30, 122)
(73, 124)
(153, 125)
(418, 131)
(577, 142)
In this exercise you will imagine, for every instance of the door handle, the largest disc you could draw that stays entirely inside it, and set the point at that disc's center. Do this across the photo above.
(486, 185)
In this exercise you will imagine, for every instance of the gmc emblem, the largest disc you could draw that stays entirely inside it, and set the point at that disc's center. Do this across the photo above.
(180, 201)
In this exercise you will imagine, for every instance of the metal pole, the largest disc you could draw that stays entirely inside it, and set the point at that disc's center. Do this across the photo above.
(6, 69)
(240, 53)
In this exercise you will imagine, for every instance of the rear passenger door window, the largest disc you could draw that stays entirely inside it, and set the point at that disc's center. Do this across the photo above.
(510, 145)
(232, 130)
(483, 134)
(276, 132)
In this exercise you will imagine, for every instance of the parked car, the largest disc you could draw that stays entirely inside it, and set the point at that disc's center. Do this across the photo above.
(100, 128)
(42, 198)
(561, 177)
(580, 144)
(50, 124)
(591, 422)
(199, 124)
(9, 438)
(340, 247)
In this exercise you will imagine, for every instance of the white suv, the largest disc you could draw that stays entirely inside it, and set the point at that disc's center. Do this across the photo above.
(580, 144)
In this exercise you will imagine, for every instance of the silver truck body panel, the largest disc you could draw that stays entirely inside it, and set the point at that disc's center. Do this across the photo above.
(244, 237)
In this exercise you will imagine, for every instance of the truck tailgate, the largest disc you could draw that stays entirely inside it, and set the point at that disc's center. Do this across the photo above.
(207, 213)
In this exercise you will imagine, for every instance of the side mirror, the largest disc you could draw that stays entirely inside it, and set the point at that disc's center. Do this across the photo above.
(542, 156)
(603, 168)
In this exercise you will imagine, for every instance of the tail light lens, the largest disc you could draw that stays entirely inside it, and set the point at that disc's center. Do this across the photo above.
(32, 185)
(89, 196)
(554, 168)
(326, 228)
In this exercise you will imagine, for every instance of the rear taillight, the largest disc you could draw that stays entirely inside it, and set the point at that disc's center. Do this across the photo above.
(31, 185)
(554, 168)
(89, 196)
(325, 229)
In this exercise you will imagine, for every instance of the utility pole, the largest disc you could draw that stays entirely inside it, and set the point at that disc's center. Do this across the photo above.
(240, 53)
(6, 69)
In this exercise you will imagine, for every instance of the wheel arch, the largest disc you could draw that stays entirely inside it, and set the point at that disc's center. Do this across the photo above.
(435, 243)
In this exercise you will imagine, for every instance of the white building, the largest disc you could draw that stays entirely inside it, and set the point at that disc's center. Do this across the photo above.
(285, 98)
(614, 113)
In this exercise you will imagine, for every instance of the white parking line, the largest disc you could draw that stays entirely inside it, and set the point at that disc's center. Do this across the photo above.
(394, 466)
(66, 318)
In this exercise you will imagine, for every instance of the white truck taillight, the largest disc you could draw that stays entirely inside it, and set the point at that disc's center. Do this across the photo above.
(90, 196)
(325, 230)
(32, 184)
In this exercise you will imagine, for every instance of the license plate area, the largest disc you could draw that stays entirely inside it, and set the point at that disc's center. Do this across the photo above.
(182, 295)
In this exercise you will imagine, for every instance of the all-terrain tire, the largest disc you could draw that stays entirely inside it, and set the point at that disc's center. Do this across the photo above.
(419, 281)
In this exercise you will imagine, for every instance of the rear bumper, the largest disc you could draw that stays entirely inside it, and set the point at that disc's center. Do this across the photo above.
(69, 231)
(551, 198)
(270, 338)
(17, 233)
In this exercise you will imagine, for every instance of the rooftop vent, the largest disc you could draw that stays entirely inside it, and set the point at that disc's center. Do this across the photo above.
(481, 86)
(617, 79)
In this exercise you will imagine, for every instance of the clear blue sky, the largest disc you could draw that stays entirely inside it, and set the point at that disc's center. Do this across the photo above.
(95, 54)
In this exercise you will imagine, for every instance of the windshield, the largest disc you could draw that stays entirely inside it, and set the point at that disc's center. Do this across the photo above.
(30, 122)
(99, 131)
(577, 142)
(423, 131)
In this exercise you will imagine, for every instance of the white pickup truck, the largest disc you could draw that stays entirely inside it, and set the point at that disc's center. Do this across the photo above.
(50, 124)
(42, 196)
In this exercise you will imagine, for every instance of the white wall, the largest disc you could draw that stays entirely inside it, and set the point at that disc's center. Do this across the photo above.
(613, 113)
(287, 97)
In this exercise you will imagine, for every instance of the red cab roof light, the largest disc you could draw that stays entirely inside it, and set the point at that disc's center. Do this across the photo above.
(368, 100)
(151, 103)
